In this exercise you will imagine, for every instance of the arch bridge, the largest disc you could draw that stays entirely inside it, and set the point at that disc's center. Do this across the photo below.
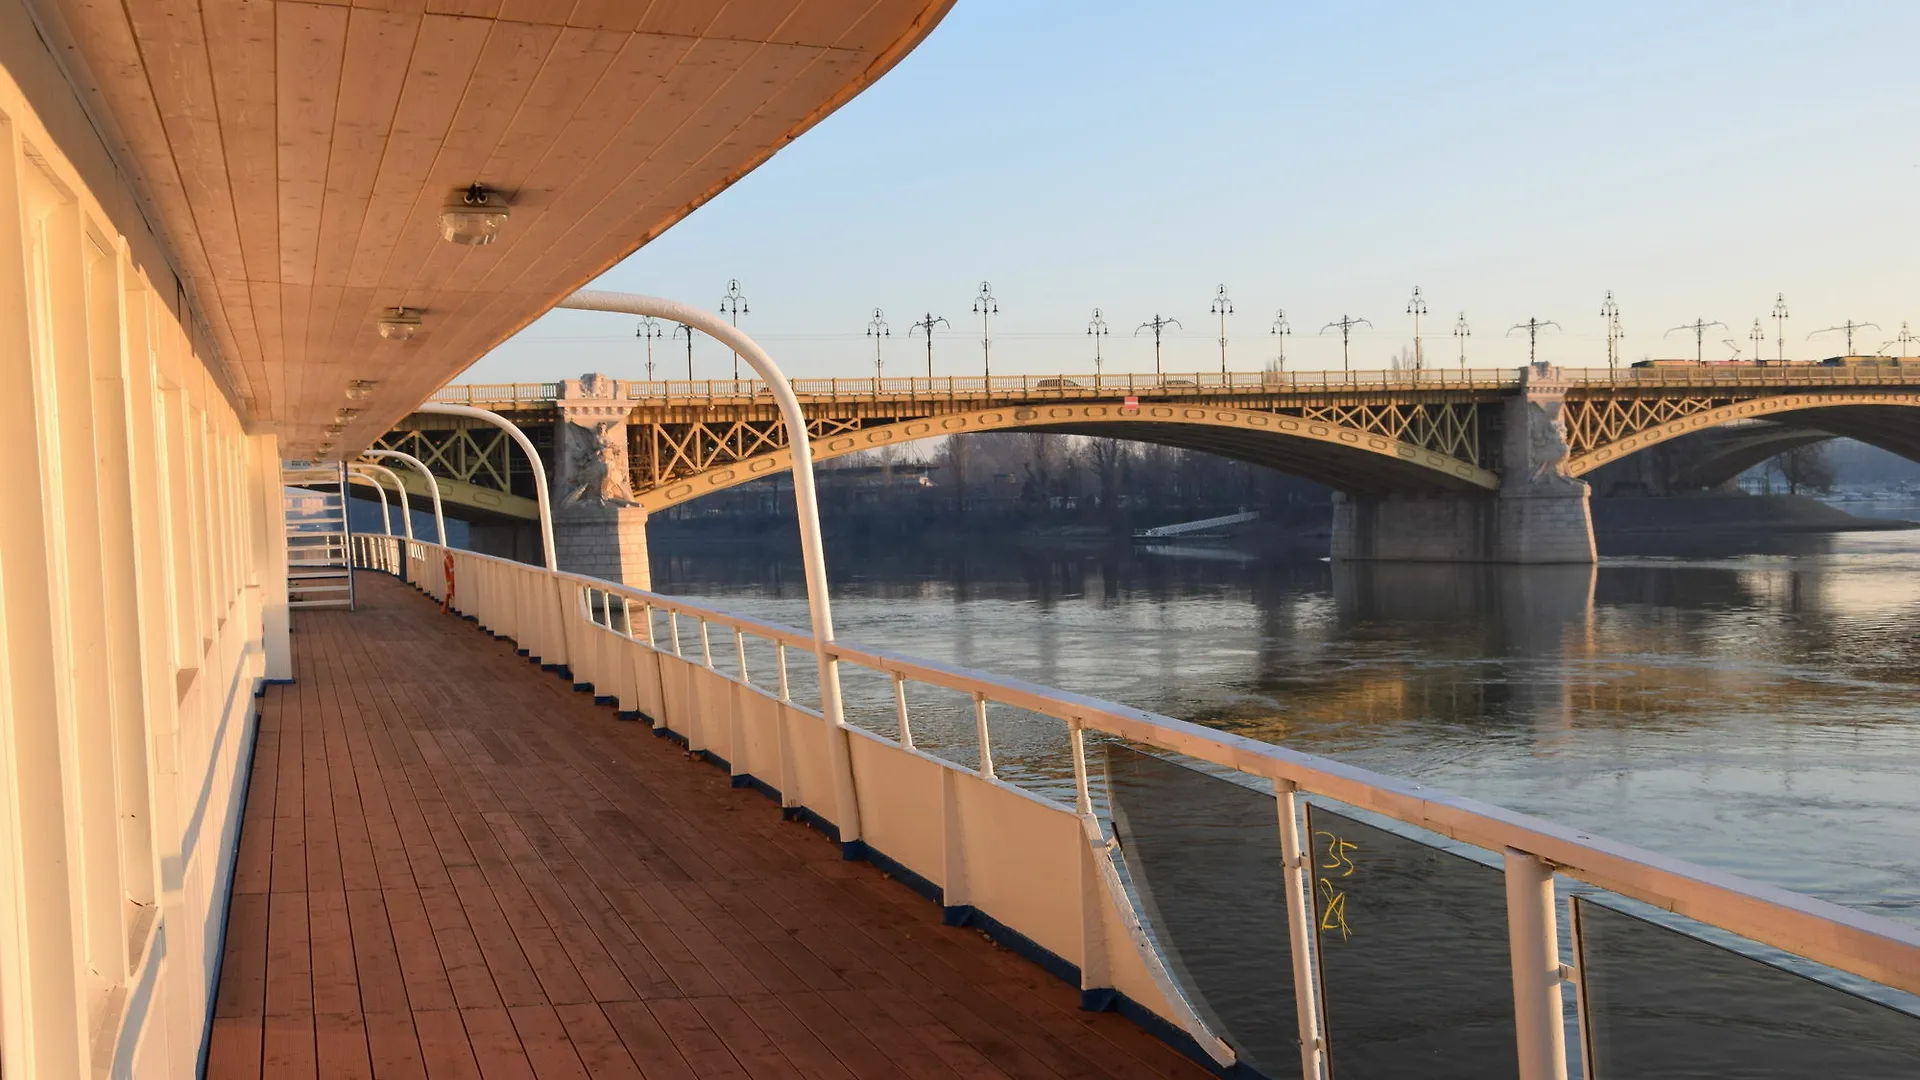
(1440, 464)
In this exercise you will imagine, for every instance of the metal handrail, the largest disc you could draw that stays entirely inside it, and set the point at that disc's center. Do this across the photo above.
(1862, 944)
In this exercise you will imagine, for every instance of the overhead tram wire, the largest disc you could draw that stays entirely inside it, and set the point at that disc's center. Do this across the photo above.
(926, 324)
(1157, 324)
(1699, 327)
(1533, 326)
(1346, 323)
(1848, 328)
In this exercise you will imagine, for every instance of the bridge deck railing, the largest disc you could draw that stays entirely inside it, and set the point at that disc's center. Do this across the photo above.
(1121, 384)
(975, 387)
(1061, 859)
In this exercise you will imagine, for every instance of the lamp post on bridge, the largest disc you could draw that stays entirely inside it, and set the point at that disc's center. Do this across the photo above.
(735, 305)
(1758, 335)
(877, 328)
(1417, 307)
(1096, 329)
(985, 306)
(1533, 326)
(1699, 328)
(925, 325)
(1780, 318)
(1905, 339)
(1849, 327)
(1156, 324)
(1346, 323)
(683, 328)
(1461, 332)
(1610, 311)
(648, 331)
(1280, 331)
(1223, 307)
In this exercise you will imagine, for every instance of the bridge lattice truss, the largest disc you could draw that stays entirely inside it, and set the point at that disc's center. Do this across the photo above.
(1595, 422)
(665, 453)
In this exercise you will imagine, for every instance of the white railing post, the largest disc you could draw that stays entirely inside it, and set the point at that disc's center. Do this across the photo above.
(900, 710)
(1299, 928)
(982, 735)
(1534, 946)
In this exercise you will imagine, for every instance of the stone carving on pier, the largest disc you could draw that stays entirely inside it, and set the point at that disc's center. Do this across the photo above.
(597, 466)
(1547, 448)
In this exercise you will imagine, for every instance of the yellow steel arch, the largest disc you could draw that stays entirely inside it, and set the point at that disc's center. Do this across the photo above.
(1365, 450)
(1755, 409)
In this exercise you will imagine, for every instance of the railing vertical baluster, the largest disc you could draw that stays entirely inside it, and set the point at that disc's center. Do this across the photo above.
(740, 654)
(1299, 929)
(706, 645)
(1534, 947)
(780, 662)
(980, 734)
(1082, 791)
(900, 709)
(673, 628)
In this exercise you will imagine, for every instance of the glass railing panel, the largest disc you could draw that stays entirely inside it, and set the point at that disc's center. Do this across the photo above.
(1203, 854)
(1665, 1005)
(1415, 976)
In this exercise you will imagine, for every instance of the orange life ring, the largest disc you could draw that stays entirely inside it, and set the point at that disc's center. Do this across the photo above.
(446, 601)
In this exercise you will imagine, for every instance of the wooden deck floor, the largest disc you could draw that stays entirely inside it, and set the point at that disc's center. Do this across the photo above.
(453, 866)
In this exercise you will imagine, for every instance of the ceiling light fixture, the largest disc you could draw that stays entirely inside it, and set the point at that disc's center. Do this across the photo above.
(400, 324)
(360, 388)
(475, 219)
(333, 429)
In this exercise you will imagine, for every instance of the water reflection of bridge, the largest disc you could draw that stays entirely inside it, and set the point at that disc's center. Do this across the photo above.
(1431, 465)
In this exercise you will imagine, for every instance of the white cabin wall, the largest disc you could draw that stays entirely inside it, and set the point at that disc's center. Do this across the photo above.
(141, 559)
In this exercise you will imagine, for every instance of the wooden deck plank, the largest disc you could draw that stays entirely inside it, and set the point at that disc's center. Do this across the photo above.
(454, 866)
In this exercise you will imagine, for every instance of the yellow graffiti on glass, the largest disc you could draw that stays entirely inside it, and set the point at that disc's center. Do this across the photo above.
(1333, 907)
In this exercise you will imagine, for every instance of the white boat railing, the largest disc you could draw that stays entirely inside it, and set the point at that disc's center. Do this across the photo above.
(1042, 869)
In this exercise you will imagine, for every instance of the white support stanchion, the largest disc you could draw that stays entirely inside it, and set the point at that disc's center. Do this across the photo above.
(533, 457)
(386, 513)
(406, 508)
(1534, 946)
(433, 486)
(545, 641)
(811, 548)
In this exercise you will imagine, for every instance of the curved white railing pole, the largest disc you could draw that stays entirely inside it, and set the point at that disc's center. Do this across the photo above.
(386, 514)
(812, 552)
(433, 486)
(533, 457)
(406, 507)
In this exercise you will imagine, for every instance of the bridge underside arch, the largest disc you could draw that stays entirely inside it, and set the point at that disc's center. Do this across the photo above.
(1346, 458)
(1883, 419)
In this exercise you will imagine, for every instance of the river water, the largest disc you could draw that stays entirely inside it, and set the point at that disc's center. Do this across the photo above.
(1757, 712)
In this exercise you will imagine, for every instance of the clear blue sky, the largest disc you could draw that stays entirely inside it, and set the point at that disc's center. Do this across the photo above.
(1512, 160)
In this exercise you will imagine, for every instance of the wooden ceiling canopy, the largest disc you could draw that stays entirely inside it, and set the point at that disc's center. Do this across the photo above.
(296, 157)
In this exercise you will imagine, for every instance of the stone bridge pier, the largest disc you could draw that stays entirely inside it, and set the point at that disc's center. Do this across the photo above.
(598, 527)
(1540, 514)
